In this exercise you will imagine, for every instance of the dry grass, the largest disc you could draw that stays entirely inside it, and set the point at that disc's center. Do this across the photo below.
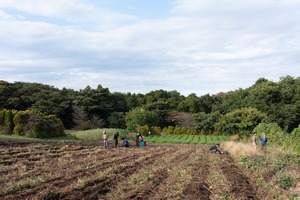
(238, 149)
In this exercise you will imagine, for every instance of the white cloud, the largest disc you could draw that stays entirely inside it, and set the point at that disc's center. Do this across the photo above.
(203, 47)
(53, 8)
(5, 16)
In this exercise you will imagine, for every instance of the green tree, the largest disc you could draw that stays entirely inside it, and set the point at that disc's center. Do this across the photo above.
(140, 117)
(205, 123)
(240, 121)
(191, 104)
(117, 120)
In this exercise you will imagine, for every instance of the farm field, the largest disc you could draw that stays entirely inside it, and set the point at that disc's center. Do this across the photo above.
(188, 139)
(87, 171)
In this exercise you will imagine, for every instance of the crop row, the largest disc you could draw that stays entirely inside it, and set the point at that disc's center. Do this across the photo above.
(187, 139)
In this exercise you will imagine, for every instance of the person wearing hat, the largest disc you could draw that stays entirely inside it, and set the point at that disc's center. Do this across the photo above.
(105, 139)
(137, 141)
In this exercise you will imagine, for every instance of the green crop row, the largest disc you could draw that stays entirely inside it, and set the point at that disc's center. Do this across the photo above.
(187, 139)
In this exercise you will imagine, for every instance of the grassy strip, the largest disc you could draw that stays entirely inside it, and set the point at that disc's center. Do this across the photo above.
(16, 137)
(88, 135)
(187, 139)
(96, 135)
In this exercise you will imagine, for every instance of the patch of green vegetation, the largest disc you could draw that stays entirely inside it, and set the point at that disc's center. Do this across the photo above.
(67, 136)
(176, 139)
(285, 181)
(96, 134)
(17, 137)
(254, 163)
(202, 139)
(291, 158)
(187, 139)
(195, 140)
(88, 135)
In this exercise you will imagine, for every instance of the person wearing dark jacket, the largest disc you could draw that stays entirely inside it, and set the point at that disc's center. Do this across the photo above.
(215, 149)
(116, 137)
(137, 139)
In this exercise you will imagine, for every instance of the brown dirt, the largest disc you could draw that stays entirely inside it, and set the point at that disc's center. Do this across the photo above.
(87, 171)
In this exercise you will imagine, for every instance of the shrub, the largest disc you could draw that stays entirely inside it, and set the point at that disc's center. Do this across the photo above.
(44, 127)
(144, 130)
(2, 121)
(292, 140)
(273, 132)
(21, 122)
(155, 130)
(9, 124)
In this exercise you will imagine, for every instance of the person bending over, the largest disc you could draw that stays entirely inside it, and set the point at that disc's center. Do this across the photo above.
(125, 142)
(215, 149)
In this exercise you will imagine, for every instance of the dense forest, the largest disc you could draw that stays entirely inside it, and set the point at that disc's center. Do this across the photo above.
(240, 110)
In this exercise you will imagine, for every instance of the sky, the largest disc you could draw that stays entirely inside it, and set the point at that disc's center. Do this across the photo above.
(191, 46)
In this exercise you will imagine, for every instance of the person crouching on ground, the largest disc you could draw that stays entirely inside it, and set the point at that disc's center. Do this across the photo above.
(142, 142)
(125, 142)
(215, 149)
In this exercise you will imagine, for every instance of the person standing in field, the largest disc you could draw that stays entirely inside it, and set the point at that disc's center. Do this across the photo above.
(105, 139)
(137, 141)
(116, 137)
(254, 142)
(263, 140)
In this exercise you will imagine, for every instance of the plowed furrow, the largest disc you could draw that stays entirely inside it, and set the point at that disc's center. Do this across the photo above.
(64, 181)
(147, 190)
(98, 188)
(240, 184)
(198, 188)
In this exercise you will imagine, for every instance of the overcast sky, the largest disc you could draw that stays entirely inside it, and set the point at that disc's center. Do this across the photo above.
(137, 46)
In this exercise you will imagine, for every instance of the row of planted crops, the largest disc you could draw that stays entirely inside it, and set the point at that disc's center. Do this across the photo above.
(187, 139)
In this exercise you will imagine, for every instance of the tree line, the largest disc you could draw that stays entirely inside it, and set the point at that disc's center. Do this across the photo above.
(229, 113)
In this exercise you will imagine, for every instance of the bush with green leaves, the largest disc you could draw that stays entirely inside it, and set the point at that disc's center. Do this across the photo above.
(292, 141)
(21, 122)
(44, 127)
(144, 130)
(8, 122)
(274, 133)
(2, 121)
(30, 124)
(155, 130)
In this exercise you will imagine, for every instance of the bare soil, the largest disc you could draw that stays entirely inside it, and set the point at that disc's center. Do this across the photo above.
(87, 171)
